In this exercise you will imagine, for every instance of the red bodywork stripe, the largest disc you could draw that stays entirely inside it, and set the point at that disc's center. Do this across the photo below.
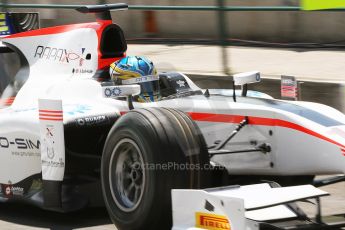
(225, 118)
(212, 117)
(50, 111)
(51, 119)
(57, 30)
(50, 115)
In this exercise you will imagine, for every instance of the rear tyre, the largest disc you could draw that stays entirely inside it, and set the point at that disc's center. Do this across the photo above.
(148, 152)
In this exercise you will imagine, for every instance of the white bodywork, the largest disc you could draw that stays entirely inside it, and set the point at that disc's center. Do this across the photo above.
(300, 146)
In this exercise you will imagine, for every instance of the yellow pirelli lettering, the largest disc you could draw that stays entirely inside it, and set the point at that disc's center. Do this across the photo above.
(2, 16)
(322, 4)
(211, 221)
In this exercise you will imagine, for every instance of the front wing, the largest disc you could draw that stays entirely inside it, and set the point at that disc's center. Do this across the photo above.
(250, 207)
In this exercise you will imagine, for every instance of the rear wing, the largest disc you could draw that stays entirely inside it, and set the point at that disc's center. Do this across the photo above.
(12, 23)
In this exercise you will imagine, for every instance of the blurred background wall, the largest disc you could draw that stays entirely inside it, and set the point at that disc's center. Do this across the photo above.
(318, 27)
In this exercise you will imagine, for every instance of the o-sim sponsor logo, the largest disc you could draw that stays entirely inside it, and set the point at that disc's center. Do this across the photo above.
(211, 221)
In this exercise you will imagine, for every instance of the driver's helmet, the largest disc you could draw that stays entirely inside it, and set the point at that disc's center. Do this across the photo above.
(137, 70)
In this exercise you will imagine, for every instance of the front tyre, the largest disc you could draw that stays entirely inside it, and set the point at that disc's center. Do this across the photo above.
(148, 152)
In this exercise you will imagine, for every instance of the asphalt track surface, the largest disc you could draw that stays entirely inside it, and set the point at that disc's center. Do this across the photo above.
(24, 217)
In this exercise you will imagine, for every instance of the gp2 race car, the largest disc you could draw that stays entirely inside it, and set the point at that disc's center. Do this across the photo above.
(70, 136)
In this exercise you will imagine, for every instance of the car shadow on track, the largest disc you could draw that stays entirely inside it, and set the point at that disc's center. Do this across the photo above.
(21, 214)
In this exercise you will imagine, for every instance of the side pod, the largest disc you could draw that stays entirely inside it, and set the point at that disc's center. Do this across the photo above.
(52, 151)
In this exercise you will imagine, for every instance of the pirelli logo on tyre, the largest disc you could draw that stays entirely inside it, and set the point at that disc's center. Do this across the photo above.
(211, 221)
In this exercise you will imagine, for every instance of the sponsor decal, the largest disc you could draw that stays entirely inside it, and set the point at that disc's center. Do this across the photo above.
(49, 132)
(116, 91)
(140, 79)
(51, 115)
(288, 82)
(11, 190)
(26, 154)
(211, 221)
(22, 110)
(60, 55)
(4, 28)
(71, 109)
(19, 143)
(322, 4)
(289, 89)
(82, 71)
(54, 164)
(90, 121)
(50, 152)
(107, 92)
(52, 138)
(8, 190)
(50, 141)
(112, 92)
(77, 109)
(17, 191)
(181, 83)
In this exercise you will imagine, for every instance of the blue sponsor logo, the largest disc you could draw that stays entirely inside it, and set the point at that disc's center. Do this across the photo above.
(69, 109)
(112, 92)
(116, 91)
(107, 92)
(77, 109)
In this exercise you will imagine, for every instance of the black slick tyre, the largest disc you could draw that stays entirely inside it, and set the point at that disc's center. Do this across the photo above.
(147, 153)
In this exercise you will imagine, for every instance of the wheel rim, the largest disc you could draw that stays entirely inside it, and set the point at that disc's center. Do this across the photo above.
(127, 175)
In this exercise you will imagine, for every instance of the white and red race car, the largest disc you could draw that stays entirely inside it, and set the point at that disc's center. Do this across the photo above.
(69, 136)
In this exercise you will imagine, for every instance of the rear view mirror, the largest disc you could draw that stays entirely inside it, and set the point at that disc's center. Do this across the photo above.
(247, 78)
(243, 79)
